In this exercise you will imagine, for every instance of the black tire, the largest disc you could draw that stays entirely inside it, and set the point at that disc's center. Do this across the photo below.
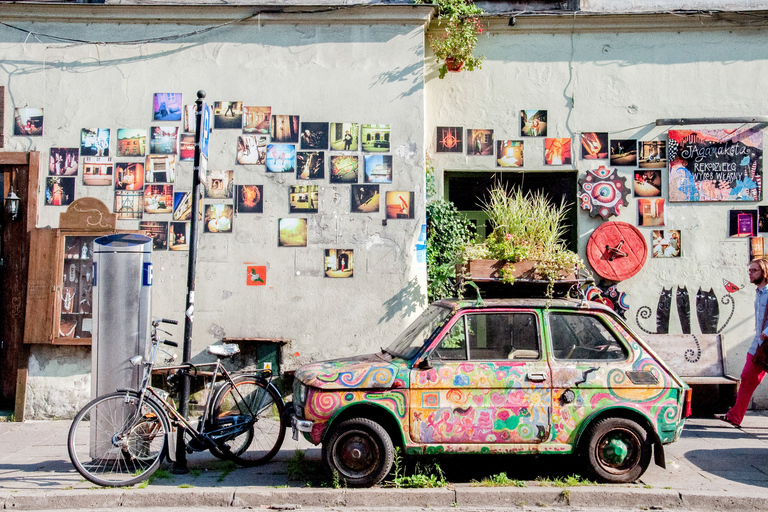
(616, 450)
(247, 421)
(360, 451)
(111, 443)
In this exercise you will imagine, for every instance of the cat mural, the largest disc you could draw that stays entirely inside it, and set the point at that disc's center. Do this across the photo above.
(707, 314)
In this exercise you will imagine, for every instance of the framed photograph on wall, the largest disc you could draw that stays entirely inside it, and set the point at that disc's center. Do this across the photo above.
(450, 139)
(533, 123)
(339, 263)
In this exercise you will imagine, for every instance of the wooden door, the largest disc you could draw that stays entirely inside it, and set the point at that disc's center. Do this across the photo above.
(20, 171)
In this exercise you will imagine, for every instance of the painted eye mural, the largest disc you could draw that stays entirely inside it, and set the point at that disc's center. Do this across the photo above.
(603, 192)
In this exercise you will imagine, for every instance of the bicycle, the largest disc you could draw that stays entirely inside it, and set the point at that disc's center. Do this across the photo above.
(121, 438)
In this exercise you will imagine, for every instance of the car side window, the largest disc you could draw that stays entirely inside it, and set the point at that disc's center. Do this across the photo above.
(492, 336)
(583, 337)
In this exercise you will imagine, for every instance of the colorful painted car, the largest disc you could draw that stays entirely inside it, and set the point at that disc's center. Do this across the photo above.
(503, 376)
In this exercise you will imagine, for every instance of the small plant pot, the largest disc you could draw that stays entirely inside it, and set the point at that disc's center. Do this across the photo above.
(453, 65)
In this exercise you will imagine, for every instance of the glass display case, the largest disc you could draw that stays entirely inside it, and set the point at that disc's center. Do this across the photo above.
(73, 316)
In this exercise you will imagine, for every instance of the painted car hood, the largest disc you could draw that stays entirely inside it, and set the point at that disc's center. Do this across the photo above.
(367, 372)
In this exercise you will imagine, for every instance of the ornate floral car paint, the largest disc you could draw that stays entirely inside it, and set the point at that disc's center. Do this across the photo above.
(507, 376)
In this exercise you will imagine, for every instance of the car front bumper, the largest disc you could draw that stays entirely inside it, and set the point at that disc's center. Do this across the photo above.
(298, 425)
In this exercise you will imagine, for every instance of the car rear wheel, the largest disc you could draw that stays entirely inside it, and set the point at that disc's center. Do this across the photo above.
(616, 450)
(360, 451)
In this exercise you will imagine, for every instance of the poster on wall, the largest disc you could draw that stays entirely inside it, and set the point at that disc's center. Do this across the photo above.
(164, 140)
(742, 223)
(509, 153)
(218, 218)
(364, 199)
(97, 171)
(178, 236)
(557, 151)
(310, 165)
(167, 106)
(131, 142)
(303, 199)
(344, 136)
(187, 147)
(292, 232)
(594, 145)
(281, 157)
(650, 212)
(28, 121)
(227, 114)
(339, 262)
(479, 142)
(129, 204)
(94, 142)
(219, 184)
(129, 176)
(256, 119)
(59, 191)
(378, 169)
(375, 137)
(158, 232)
(158, 198)
(63, 162)
(283, 128)
(533, 123)
(251, 150)
(250, 199)
(652, 154)
(647, 183)
(314, 136)
(160, 169)
(343, 169)
(624, 152)
(450, 139)
(666, 243)
(716, 165)
(399, 205)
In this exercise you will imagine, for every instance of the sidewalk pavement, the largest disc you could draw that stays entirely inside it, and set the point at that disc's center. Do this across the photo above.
(712, 467)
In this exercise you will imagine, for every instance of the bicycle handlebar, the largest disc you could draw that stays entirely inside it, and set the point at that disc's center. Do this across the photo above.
(170, 343)
(167, 321)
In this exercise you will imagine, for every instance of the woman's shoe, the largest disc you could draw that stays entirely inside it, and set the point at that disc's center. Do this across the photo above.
(724, 417)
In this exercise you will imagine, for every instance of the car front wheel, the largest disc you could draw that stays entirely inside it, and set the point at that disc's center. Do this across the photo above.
(616, 450)
(360, 451)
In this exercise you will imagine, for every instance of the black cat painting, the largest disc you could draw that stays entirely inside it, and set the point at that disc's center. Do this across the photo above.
(707, 311)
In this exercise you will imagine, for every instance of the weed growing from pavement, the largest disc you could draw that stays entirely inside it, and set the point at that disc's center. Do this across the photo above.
(196, 472)
(186, 486)
(500, 480)
(226, 468)
(431, 476)
(567, 481)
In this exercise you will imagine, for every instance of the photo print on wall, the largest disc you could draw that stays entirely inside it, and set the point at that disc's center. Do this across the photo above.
(250, 199)
(533, 123)
(131, 142)
(251, 150)
(666, 243)
(97, 171)
(218, 218)
(378, 169)
(256, 275)
(129, 176)
(647, 183)
(59, 190)
(399, 205)
(292, 232)
(343, 169)
(624, 152)
(187, 147)
(364, 199)
(228, 115)
(303, 199)
(652, 154)
(190, 120)
(219, 184)
(650, 212)
(762, 219)
(281, 157)
(283, 128)
(594, 145)
(167, 106)
(557, 151)
(450, 139)
(256, 119)
(158, 232)
(339, 262)
(160, 169)
(375, 138)
(129, 204)
(28, 121)
(63, 162)
(314, 136)
(178, 236)
(158, 198)
(164, 140)
(94, 142)
(344, 137)
(182, 206)
(509, 153)
(742, 223)
(479, 142)
(310, 165)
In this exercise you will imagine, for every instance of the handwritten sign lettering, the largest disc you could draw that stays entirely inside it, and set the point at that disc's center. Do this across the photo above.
(716, 165)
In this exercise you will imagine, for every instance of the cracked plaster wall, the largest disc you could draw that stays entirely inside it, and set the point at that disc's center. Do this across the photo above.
(369, 74)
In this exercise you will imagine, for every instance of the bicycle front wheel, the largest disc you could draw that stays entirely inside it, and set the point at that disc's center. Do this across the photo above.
(247, 421)
(112, 442)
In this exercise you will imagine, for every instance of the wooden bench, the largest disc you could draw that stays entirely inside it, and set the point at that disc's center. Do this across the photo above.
(700, 360)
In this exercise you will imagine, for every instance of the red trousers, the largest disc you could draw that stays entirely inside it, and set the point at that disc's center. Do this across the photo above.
(751, 376)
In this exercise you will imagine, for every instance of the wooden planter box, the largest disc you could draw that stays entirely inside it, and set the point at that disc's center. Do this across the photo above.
(487, 275)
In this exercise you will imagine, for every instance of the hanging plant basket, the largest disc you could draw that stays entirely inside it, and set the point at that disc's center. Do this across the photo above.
(453, 65)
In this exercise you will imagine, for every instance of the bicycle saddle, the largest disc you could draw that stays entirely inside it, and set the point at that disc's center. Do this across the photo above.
(223, 350)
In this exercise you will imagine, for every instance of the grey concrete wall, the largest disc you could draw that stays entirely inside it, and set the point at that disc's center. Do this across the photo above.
(346, 72)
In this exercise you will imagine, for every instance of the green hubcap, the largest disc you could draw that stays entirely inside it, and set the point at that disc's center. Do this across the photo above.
(615, 451)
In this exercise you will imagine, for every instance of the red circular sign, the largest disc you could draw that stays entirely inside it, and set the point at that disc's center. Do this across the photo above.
(617, 250)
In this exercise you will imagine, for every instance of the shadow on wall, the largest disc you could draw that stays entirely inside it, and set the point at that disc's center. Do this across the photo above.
(407, 301)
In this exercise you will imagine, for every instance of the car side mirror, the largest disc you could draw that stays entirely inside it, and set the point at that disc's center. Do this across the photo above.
(425, 364)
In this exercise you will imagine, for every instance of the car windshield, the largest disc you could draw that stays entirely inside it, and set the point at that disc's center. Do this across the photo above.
(408, 344)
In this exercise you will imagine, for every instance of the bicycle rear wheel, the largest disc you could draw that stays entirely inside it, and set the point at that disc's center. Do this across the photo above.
(247, 421)
(114, 443)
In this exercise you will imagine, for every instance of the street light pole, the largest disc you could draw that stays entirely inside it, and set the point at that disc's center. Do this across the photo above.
(180, 465)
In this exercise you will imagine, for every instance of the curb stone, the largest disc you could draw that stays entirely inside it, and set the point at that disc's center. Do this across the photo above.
(508, 496)
(710, 500)
(288, 497)
(75, 498)
(173, 497)
(389, 497)
(656, 499)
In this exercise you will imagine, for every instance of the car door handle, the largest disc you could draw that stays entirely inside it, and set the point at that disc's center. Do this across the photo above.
(536, 377)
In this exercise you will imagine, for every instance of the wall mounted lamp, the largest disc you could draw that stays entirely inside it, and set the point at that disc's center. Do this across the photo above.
(12, 205)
